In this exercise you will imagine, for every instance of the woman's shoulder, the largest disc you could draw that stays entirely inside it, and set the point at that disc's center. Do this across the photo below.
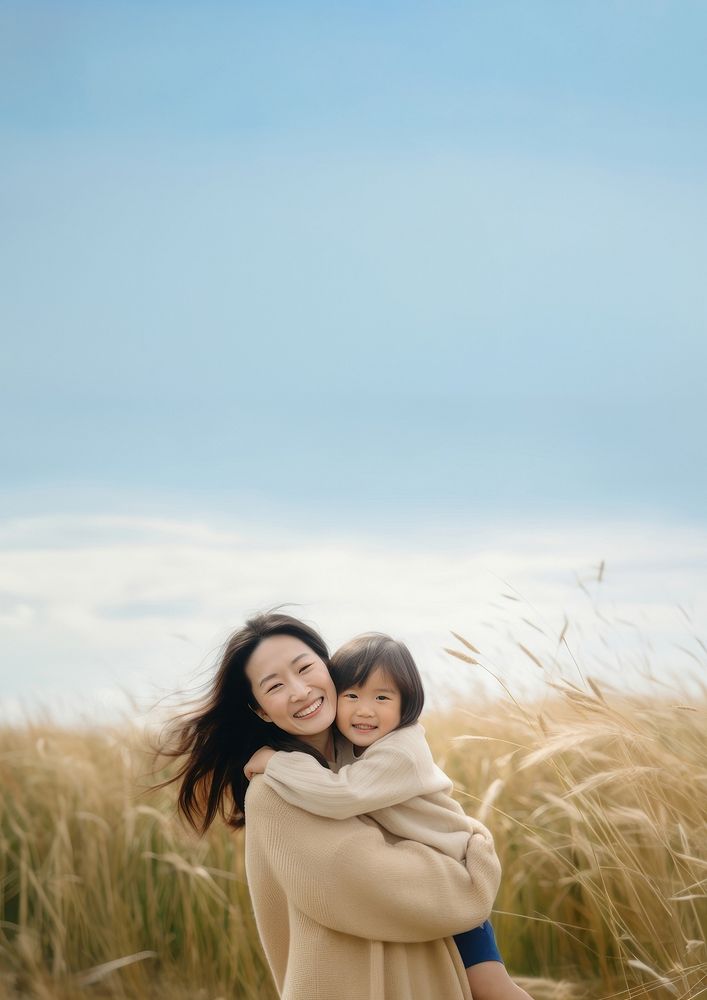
(268, 815)
(275, 825)
(261, 800)
(266, 809)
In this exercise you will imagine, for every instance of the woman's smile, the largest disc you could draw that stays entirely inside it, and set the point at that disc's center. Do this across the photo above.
(311, 709)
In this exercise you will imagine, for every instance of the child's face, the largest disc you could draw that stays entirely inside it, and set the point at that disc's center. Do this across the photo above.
(365, 714)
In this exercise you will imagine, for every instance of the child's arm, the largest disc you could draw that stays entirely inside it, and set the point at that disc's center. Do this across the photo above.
(388, 773)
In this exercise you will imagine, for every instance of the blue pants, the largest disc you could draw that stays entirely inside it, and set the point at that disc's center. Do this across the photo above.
(478, 945)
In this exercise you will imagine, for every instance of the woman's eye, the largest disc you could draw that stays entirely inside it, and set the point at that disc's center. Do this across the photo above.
(274, 687)
(306, 667)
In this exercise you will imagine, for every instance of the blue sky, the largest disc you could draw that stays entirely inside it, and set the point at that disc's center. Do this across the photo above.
(382, 309)
(352, 262)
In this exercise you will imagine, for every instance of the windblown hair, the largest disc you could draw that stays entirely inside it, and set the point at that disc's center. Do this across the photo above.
(353, 663)
(216, 740)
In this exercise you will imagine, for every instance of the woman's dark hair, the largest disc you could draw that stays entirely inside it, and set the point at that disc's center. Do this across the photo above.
(353, 663)
(223, 732)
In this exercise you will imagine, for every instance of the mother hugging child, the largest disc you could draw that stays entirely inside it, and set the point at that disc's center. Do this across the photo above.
(366, 876)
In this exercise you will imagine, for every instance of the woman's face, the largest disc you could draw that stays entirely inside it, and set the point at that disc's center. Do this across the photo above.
(292, 686)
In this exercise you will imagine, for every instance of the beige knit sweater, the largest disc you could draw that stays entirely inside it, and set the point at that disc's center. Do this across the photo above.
(347, 911)
(395, 781)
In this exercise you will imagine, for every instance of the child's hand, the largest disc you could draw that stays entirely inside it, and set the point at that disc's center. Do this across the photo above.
(258, 762)
(479, 831)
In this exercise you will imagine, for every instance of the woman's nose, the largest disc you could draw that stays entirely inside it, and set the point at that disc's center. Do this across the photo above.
(299, 688)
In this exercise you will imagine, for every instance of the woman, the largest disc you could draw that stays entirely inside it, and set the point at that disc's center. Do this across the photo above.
(343, 908)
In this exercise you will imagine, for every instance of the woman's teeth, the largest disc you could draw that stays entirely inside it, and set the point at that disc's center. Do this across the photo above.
(310, 709)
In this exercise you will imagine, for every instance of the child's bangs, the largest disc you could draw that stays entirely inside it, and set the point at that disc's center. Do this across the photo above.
(352, 665)
(355, 661)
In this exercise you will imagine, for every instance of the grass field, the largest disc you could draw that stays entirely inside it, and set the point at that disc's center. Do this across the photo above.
(598, 802)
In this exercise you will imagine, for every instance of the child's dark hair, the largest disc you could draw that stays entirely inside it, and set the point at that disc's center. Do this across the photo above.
(355, 661)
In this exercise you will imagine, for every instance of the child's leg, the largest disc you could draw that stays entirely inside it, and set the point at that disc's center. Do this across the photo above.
(490, 981)
(484, 966)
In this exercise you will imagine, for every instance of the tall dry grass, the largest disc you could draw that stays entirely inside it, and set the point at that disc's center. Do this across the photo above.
(599, 808)
(598, 802)
(103, 891)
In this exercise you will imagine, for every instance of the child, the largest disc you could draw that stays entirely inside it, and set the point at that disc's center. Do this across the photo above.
(392, 777)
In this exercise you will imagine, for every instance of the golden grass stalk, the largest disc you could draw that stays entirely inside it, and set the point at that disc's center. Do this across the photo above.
(597, 800)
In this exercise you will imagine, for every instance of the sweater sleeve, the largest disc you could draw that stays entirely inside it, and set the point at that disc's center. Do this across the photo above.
(354, 878)
(394, 769)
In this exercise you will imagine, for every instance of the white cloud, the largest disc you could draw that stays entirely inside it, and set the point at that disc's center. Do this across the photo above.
(91, 605)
